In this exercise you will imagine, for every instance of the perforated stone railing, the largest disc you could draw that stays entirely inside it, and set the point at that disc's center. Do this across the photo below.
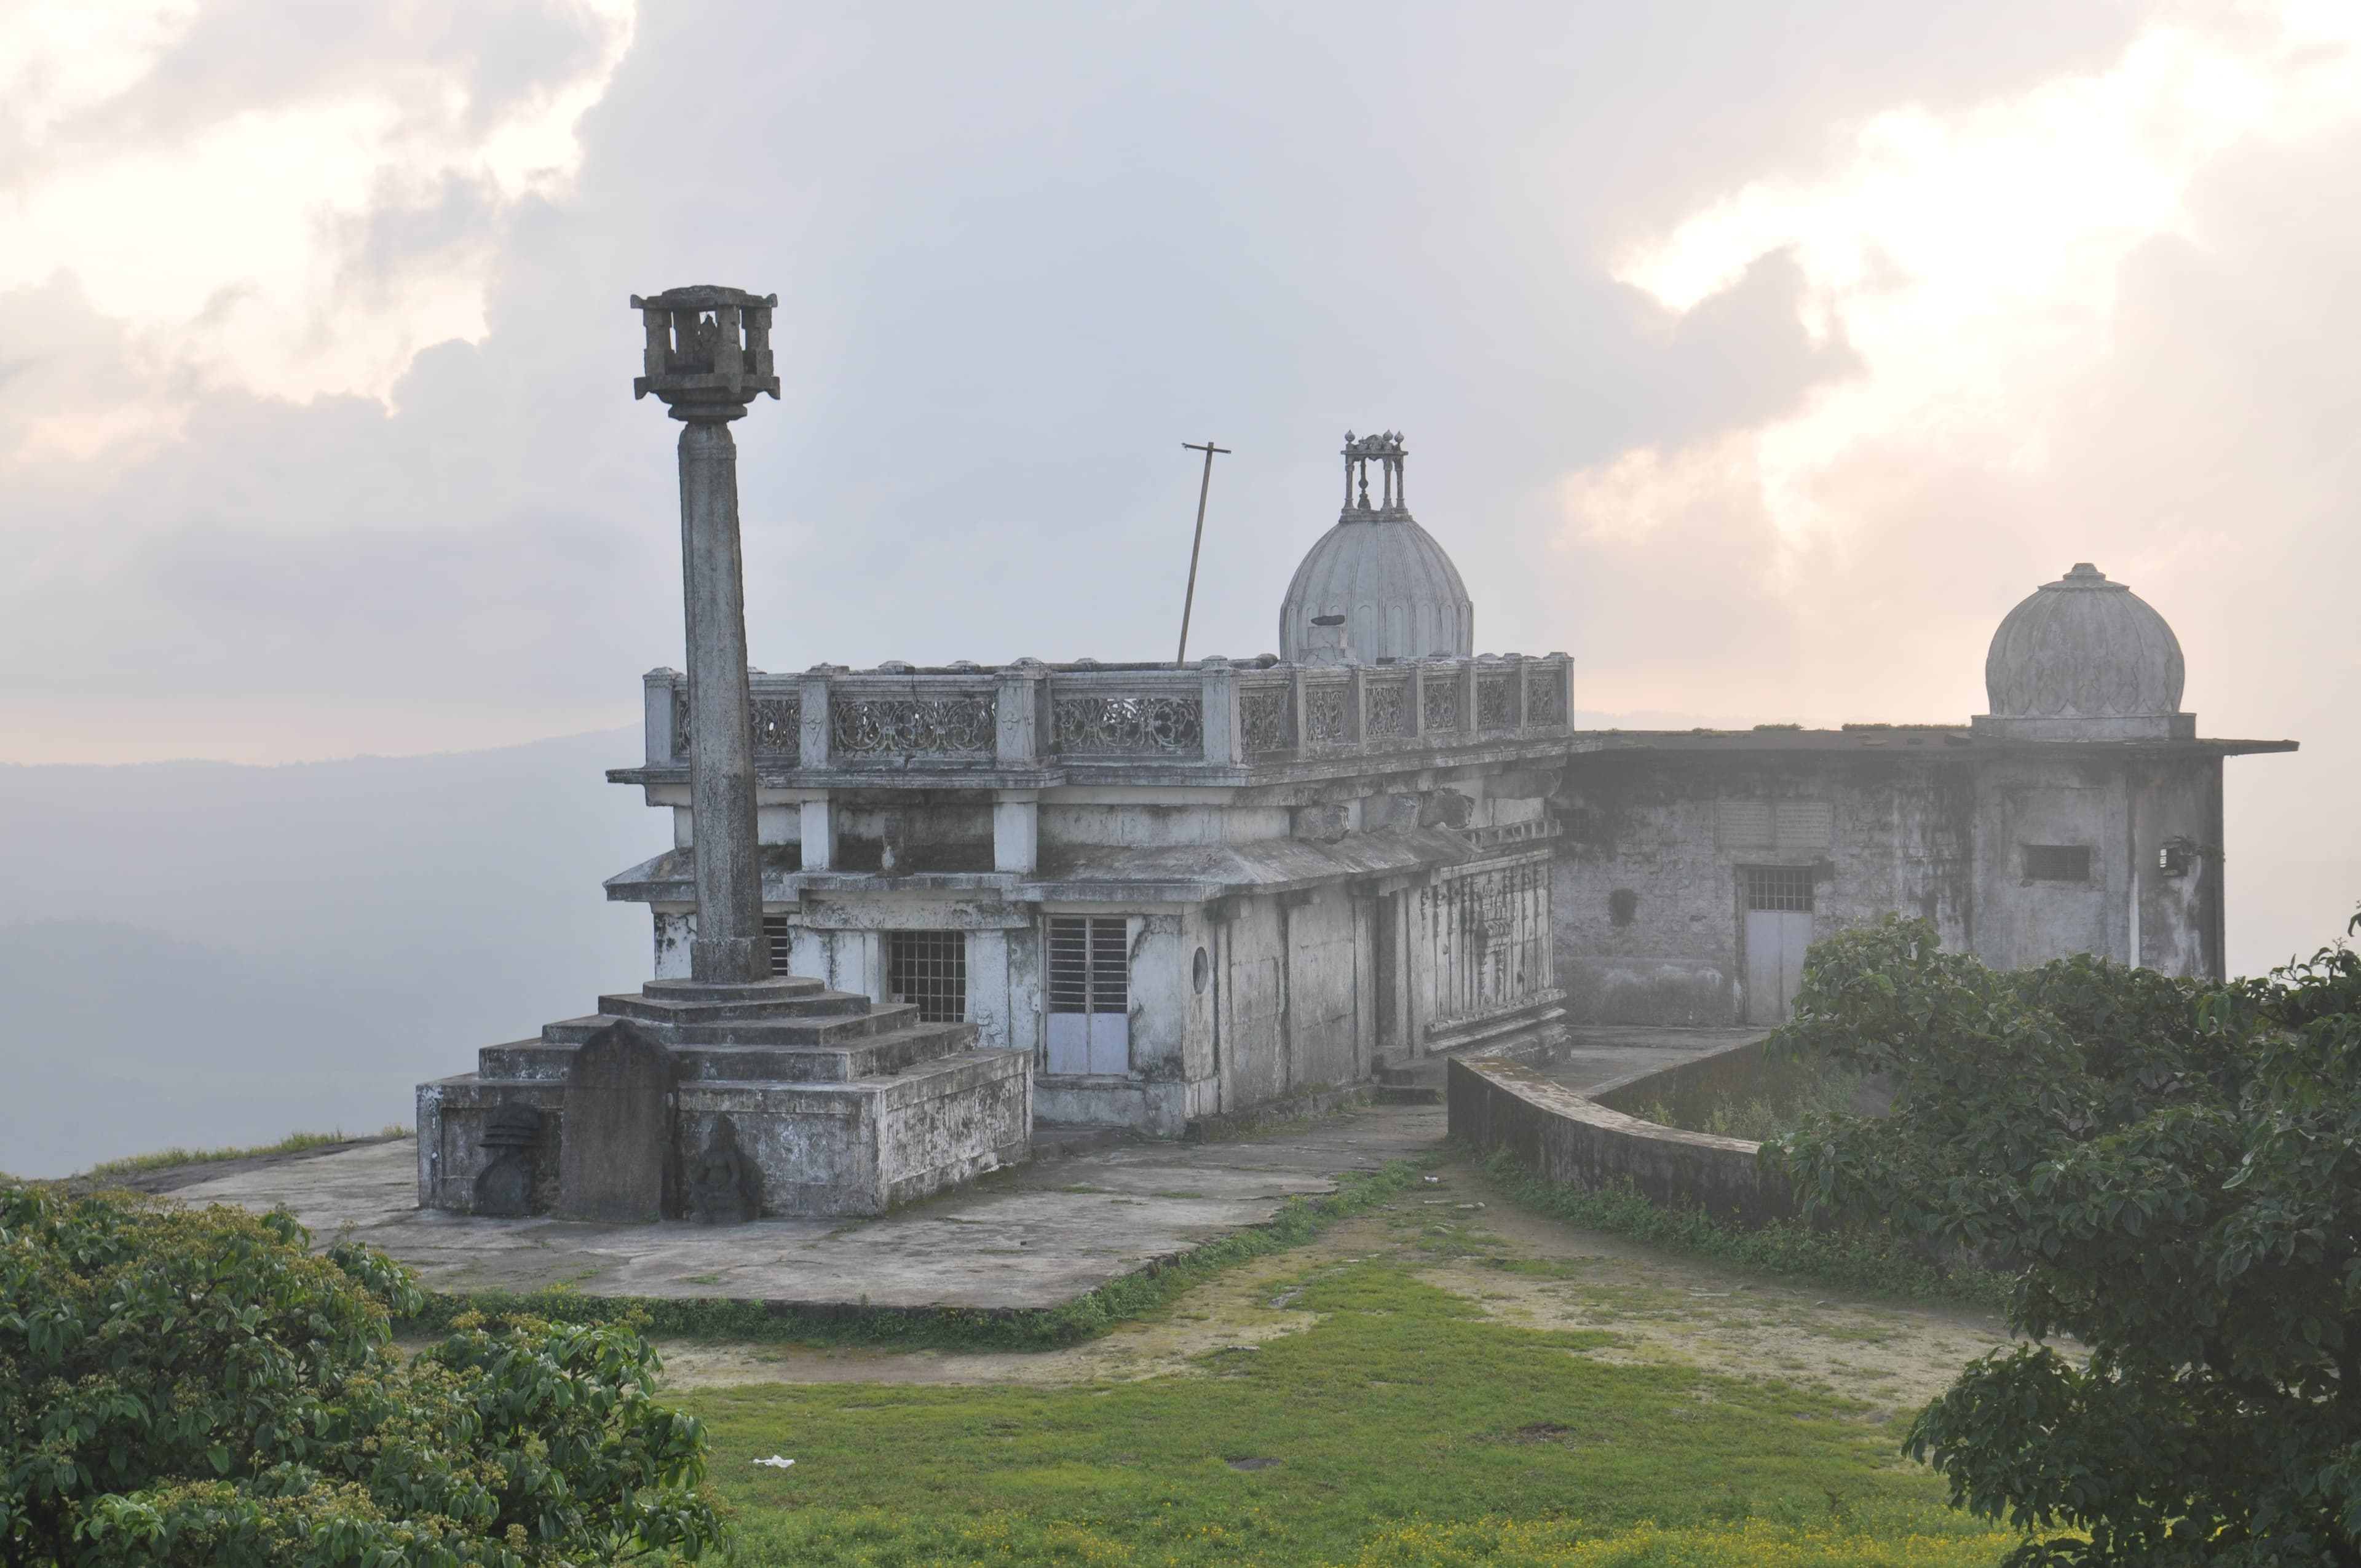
(1030, 716)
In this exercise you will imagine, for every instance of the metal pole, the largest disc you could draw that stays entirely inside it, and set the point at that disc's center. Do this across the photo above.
(1204, 487)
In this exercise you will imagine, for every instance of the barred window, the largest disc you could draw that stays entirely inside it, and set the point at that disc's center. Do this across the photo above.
(1787, 888)
(774, 926)
(2056, 862)
(1088, 969)
(928, 968)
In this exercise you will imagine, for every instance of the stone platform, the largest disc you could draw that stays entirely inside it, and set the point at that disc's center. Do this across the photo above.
(1033, 1235)
(1036, 1236)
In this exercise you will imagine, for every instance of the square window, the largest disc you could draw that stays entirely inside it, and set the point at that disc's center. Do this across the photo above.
(2056, 862)
(928, 968)
(1787, 888)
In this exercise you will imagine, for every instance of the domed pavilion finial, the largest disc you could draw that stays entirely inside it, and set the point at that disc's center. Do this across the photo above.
(2085, 658)
(1387, 449)
(1376, 586)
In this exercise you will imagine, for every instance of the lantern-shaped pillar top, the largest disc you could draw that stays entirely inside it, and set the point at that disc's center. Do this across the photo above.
(708, 350)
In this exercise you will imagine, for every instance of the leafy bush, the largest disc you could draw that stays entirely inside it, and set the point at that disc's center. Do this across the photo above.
(2173, 1172)
(185, 1385)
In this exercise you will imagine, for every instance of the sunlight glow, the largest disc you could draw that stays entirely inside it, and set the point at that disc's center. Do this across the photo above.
(255, 250)
(1970, 261)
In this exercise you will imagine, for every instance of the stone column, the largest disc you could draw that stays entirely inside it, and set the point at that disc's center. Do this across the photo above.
(729, 945)
(708, 354)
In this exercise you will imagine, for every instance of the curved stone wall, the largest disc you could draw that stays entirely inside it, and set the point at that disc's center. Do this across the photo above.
(1572, 1139)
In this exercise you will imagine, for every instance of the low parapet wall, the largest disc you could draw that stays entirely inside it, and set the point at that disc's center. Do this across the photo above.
(1569, 1138)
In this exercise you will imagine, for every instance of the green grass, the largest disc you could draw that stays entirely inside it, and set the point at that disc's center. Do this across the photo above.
(945, 1327)
(1408, 1430)
(1872, 1263)
(164, 1159)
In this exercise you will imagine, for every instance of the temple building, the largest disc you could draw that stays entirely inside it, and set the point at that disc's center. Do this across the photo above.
(911, 916)
(1198, 897)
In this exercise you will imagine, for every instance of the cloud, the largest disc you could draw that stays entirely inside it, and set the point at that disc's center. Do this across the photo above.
(1970, 261)
(291, 201)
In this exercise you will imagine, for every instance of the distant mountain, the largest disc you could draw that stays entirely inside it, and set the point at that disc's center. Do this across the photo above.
(201, 953)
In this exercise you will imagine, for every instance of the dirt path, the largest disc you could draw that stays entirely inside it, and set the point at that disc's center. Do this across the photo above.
(1460, 1234)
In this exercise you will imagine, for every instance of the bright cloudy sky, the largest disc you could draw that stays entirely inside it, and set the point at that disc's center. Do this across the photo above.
(1759, 356)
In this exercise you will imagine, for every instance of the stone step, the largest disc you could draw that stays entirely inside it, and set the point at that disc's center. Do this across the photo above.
(813, 1000)
(886, 1053)
(814, 1029)
(778, 987)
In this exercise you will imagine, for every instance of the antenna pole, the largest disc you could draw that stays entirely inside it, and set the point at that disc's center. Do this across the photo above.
(1203, 489)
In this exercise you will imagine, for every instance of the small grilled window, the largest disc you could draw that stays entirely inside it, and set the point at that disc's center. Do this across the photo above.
(774, 926)
(1089, 970)
(1624, 905)
(928, 968)
(1787, 888)
(2058, 862)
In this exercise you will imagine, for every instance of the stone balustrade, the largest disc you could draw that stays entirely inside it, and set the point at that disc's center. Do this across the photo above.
(1032, 716)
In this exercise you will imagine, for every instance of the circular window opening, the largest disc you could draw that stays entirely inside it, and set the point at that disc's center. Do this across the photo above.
(1200, 968)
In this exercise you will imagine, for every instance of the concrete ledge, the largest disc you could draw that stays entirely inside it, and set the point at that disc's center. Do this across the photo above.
(1572, 1139)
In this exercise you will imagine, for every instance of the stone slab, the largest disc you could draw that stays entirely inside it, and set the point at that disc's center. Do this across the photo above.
(617, 1155)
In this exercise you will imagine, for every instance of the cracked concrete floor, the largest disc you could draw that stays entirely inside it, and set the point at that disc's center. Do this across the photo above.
(1518, 1267)
(1035, 1236)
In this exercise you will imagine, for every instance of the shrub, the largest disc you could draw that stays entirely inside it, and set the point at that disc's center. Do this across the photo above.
(183, 1385)
(2172, 1171)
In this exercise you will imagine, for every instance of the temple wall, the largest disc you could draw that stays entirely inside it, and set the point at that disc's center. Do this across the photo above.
(1876, 833)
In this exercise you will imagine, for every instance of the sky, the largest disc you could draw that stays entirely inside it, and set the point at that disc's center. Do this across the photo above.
(1760, 358)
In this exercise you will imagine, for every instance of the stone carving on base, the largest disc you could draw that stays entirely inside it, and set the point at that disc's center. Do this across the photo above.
(724, 1187)
(504, 1186)
(615, 1160)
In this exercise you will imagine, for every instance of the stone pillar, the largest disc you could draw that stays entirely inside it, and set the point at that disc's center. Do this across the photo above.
(663, 744)
(818, 835)
(708, 354)
(728, 944)
(1016, 830)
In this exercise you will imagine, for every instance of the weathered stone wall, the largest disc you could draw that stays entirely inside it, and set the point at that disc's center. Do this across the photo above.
(1577, 1142)
(2125, 806)
(1650, 825)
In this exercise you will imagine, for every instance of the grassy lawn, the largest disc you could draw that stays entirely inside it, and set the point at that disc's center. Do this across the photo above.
(1408, 1423)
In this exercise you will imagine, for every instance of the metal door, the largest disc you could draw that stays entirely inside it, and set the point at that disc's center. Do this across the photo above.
(1778, 934)
(1090, 995)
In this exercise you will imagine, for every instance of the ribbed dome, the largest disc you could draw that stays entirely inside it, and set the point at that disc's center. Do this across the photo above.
(1400, 595)
(2084, 654)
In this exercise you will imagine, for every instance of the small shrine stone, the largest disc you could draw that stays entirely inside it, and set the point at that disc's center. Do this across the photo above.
(616, 1154)
(512, 1137)
(724, 1187)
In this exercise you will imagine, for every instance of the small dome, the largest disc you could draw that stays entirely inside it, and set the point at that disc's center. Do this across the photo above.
(2084, 648)
(1398, 593)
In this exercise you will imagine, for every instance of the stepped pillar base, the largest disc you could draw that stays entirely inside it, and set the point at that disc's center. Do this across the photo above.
(784, 1099)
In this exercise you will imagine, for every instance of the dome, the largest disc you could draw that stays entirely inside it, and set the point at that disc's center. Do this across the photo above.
(2085, 658)
(1398, 593)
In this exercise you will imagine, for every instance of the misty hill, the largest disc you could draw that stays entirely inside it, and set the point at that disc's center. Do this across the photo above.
(204, 953)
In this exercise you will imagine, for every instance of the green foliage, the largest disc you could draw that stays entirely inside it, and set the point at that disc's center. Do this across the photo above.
(1868, 1258)
(183, 1385)
(1408, 1424)
(941, 1328)
(2173, 1174)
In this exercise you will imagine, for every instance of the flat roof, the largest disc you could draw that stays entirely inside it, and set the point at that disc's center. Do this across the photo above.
(1863, 738)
